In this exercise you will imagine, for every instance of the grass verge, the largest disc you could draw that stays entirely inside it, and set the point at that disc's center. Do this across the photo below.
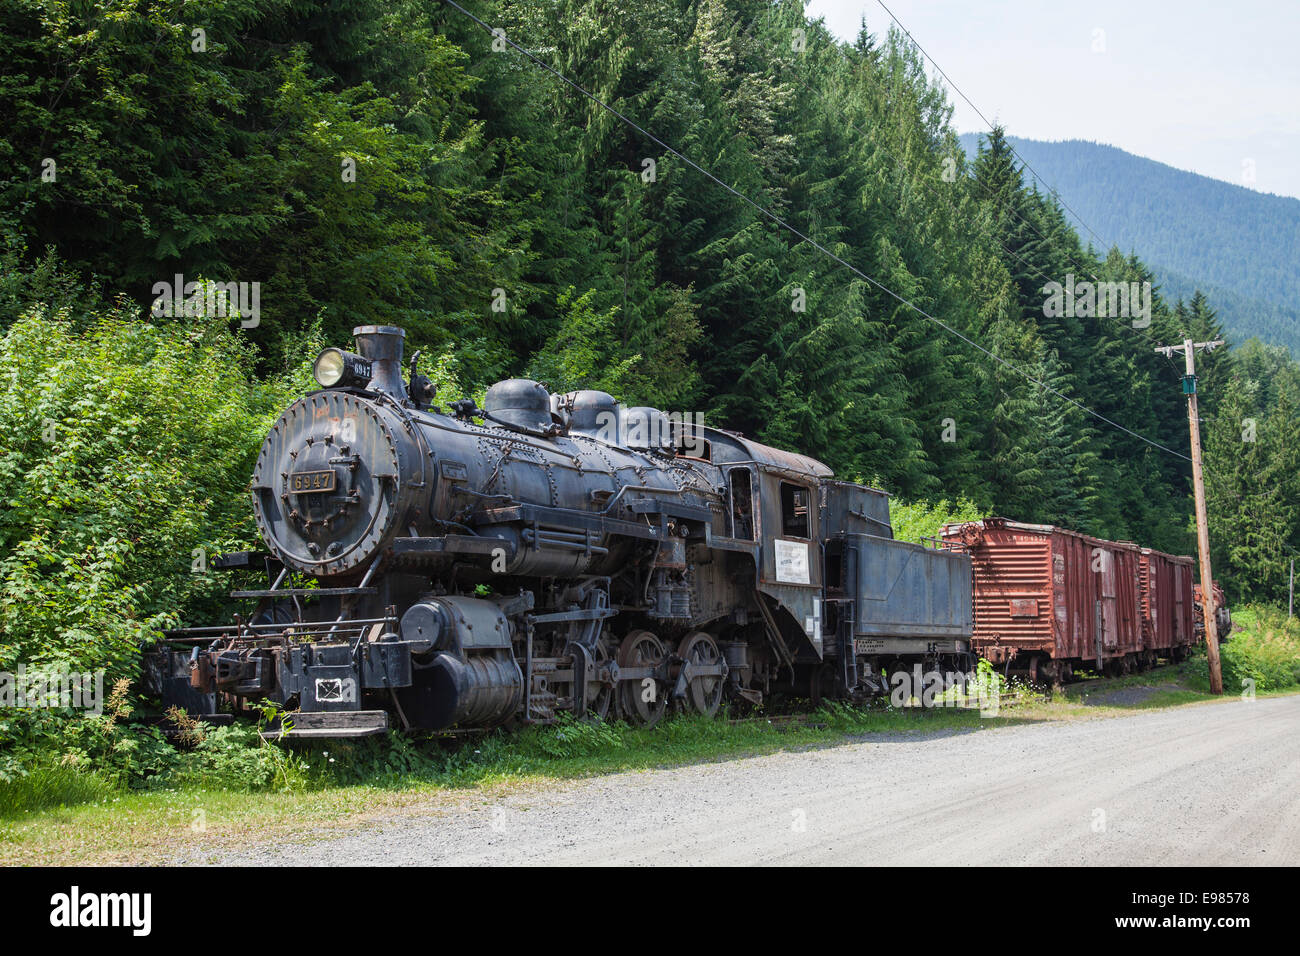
(336, 784)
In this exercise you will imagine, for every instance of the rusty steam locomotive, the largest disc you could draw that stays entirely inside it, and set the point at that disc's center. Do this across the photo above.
(467, 567)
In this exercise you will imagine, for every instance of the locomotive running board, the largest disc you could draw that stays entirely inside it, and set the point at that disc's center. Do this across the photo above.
(330, 723)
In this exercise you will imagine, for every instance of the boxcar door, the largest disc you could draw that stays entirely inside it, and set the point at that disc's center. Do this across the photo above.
(1181, 627)
(1109, 601)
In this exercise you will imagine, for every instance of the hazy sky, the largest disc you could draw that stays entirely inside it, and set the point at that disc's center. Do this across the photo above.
(1213, 87)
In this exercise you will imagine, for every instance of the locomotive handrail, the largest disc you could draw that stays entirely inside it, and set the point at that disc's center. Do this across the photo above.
(304, 592)
(458, 489)
(866, 517)
(298, 627)
(577, 614)
(568, 517)
(520, 438)
(625, 488)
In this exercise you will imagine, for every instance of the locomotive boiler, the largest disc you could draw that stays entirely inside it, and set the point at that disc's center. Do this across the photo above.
(467, 567)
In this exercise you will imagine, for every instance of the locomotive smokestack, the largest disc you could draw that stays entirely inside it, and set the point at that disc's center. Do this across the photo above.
(382, 345)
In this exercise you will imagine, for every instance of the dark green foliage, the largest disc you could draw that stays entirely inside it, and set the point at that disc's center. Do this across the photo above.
(229, 162)
(1252, 455)
(1262, 655)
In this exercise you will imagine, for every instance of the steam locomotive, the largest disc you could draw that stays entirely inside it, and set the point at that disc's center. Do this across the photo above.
(547, 553)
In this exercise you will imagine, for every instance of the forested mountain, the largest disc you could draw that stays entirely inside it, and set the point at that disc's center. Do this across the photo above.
(390, 161)
(1236, 245)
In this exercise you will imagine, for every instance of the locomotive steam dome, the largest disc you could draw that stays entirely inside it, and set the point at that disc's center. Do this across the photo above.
(336, 475)
(521, 404)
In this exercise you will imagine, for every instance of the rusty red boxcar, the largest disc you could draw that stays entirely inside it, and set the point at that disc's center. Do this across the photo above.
(1049, 600)
(1165, 589)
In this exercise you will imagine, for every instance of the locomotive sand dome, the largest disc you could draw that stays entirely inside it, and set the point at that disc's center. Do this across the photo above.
(552, 553)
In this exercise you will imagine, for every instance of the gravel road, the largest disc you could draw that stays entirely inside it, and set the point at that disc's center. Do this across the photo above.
(1209, 784)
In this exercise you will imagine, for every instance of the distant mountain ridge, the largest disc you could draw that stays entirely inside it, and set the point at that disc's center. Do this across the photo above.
(1240, 247)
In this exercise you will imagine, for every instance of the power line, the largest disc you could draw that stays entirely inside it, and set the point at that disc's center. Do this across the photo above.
(1000, 203)
(501, 35)
(1033, 172)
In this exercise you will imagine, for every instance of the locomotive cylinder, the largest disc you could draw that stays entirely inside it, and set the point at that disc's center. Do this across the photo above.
(480, 691)
(471, 678)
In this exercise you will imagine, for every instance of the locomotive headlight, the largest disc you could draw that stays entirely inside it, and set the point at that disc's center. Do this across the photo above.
(335, 367)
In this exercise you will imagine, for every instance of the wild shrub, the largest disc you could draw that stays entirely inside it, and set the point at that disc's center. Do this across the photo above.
(125, 451)
(916, 520)
(1266, 651)
(571, 737)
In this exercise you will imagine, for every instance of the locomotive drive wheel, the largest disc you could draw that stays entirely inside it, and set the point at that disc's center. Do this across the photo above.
(600, 705)
(641, 649)
(703, 694)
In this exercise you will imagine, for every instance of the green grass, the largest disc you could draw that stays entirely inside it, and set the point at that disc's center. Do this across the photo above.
(51, 787)
(573, 748)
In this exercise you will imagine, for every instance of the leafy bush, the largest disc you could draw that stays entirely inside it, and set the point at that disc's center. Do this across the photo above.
(43, 753)
(571, 737)
(125, 450)
(917, 520)
(1266, 651)
(236, 758)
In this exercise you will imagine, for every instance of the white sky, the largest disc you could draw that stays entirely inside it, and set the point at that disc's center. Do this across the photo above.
(1213, 87)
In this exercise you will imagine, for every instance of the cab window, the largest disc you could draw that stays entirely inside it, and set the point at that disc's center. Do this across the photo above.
(742, 504)
(794, 510)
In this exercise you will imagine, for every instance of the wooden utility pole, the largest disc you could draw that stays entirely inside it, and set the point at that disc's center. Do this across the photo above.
(1188, 348)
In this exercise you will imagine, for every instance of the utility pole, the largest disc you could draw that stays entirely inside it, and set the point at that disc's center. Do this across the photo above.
(1290, 593)
(1189, 348)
